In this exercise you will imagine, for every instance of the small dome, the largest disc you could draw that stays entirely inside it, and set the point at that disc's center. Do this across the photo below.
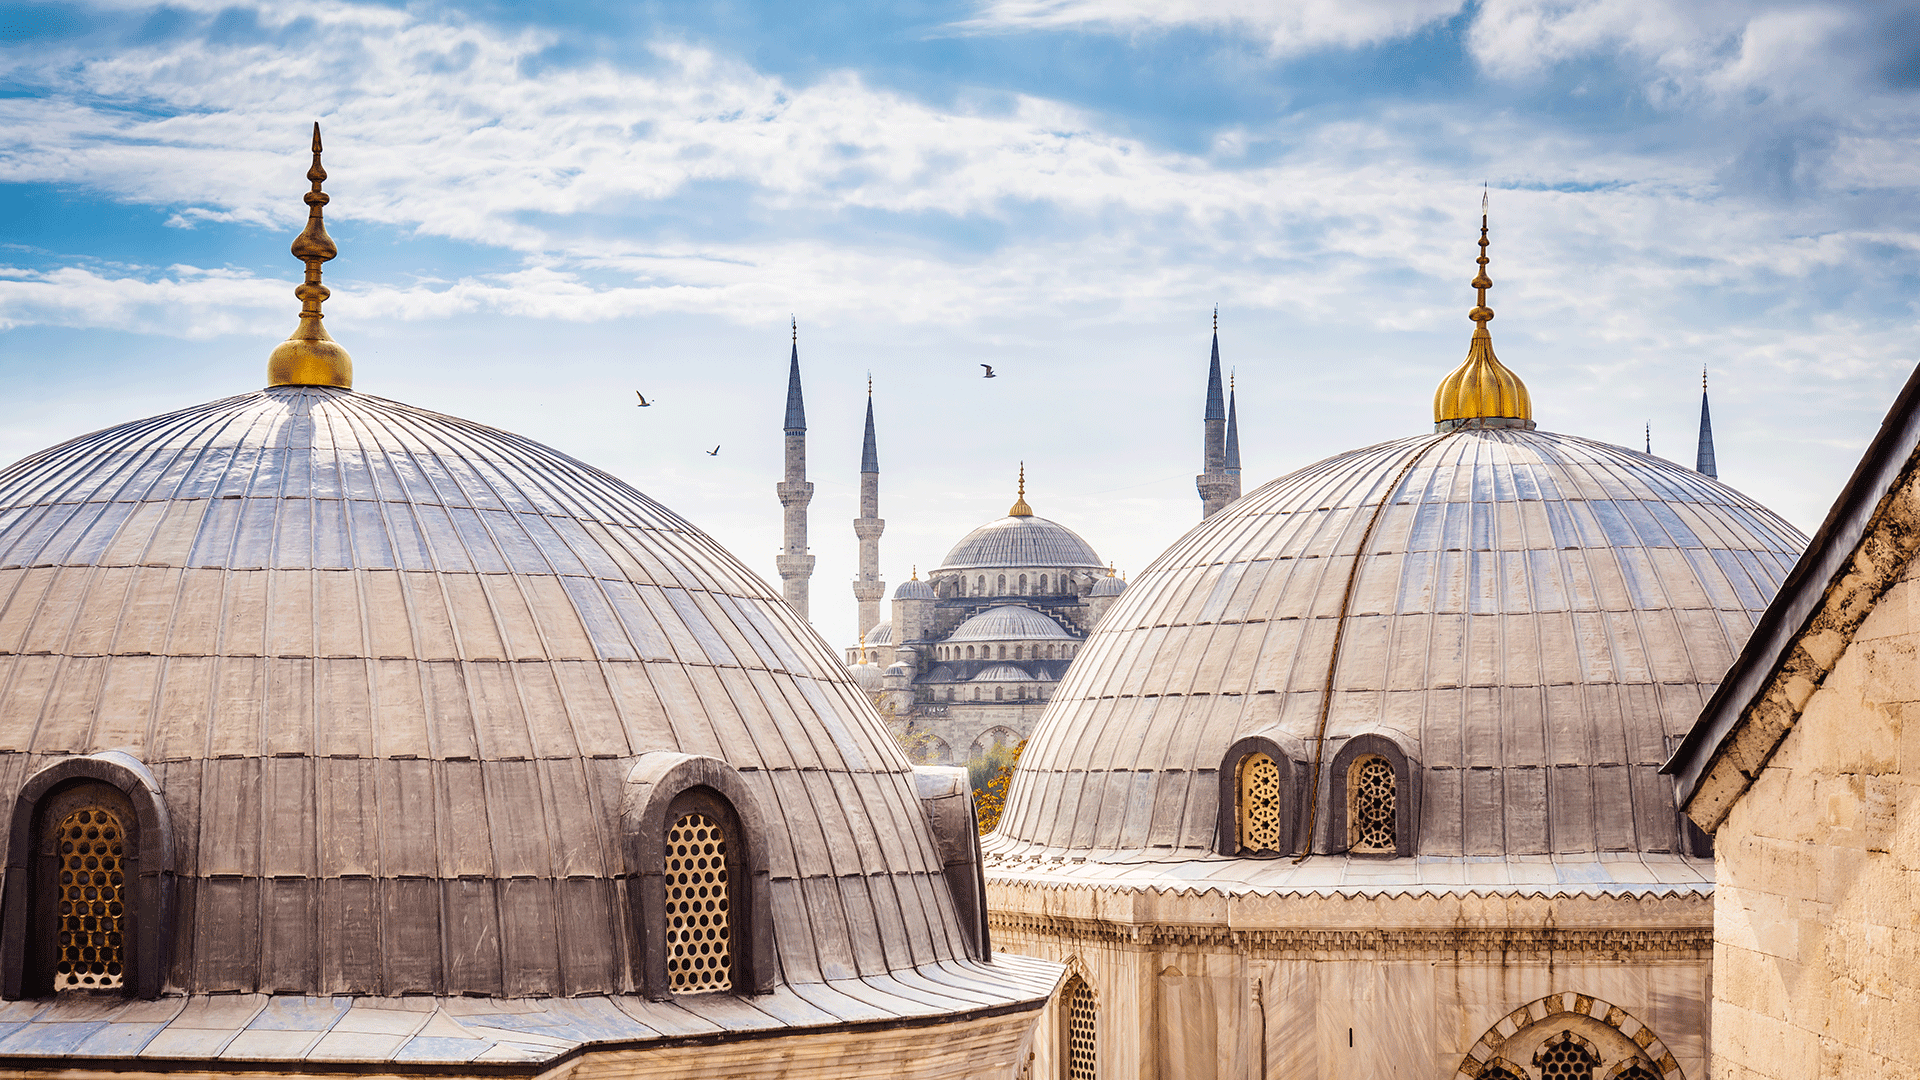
(1003, 673)
(1025, 541)
(1008, 622)
(1109, 586)
(868, 677)
(915, 589)
(881, 634)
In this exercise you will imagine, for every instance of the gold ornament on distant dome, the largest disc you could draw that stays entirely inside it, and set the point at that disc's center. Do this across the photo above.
(309, 357)
(1020, 507)
(1481, 392)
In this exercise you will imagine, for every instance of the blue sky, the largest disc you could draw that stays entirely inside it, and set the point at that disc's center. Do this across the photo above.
(541, 208)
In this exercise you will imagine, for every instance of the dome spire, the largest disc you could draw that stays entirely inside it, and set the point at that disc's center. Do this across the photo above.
(1481, 392)
(1703, 461)
(309, 357)
(1020, 507)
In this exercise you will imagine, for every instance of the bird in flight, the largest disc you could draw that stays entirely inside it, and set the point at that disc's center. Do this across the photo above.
(644, 403)
(989, 374)
(715, 452)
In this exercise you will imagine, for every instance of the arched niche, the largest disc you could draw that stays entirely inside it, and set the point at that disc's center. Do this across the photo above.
(1618, 1040)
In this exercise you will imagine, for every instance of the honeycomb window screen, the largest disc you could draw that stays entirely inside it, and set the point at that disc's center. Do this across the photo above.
(1371, 799)
(1260, 796)
(1498, 1072)
(1082, 1031)
(1636, 1071)
(1566, 1060)
(699, 930)
(89, 844)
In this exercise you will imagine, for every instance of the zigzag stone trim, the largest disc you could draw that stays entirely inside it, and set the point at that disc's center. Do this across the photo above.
(1487, 1050)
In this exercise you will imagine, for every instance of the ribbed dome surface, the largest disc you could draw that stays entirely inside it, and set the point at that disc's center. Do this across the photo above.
(1008, 622)
(1002, 673)
(1533, 618)
(1018, 542)
(391, 669)
(914, 589)
(1108, 586)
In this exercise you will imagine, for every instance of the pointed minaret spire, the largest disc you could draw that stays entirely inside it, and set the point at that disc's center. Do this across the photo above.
(794, 564)
(1233, 435)
(309, 357)
(1649, 438)
(1216, 486)
(868, 589)
(1703, 460)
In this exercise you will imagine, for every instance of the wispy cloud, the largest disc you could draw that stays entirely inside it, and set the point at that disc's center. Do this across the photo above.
(1289, 27)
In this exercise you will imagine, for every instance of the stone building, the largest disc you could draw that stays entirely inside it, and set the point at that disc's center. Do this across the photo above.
(1805, 767)
(341, 736)
(1360, 778)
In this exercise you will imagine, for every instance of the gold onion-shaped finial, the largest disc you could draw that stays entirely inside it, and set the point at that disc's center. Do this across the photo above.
(1020, 507)
(309, 357)
(1481, 392)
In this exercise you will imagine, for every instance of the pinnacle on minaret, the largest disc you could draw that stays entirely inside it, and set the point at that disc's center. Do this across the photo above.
(1233, 435)
(868, 589)
(1217, 486)
(1703, 458)
(794, 564)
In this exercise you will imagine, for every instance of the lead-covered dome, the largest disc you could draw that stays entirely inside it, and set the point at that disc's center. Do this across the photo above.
(390, 670)
(1022, 540)
(1530, 618)
(1008, 622)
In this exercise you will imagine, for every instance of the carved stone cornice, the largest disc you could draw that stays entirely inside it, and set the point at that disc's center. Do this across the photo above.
(1460, 943)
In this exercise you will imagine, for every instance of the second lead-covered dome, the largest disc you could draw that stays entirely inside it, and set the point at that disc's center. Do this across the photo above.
(1529, 617)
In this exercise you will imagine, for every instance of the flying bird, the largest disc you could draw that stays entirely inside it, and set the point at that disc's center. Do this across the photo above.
(715, 452)
(989, 374)
(644, 403)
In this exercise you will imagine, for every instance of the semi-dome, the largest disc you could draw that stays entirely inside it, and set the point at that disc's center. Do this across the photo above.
(1008, 622)
(881, 633)
(394, 669)
(1109, 586)
(1529, 618)
(868, 677)
(1002, 673)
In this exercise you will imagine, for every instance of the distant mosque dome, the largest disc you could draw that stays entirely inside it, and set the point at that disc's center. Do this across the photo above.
(914, 589)
(1109, 586)
(868, 677)
(1008, 622)
(880, 634)
(1020, 540)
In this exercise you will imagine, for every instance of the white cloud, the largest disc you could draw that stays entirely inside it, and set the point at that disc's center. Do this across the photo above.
(1289, 27)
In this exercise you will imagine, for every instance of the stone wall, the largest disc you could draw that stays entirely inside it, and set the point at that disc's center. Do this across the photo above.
(1816, 955)
(1203, 986)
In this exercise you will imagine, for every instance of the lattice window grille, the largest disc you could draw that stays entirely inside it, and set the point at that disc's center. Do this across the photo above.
(1566, 1060)
(1260, 803)
(1372, 805)
(699, 942)
(90, 845)
(1498, 1073)
(1081, 1028)
(1636, 1071)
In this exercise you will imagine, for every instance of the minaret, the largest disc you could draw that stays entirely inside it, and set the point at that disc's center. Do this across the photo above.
(868, 589)
(1233, 436)
(794, 564)
(1217, 489)
(1703, 459)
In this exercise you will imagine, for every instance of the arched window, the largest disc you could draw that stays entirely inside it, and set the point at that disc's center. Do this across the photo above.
(1000, 589)
(969, 652)
(1042, 590)
(1023, 584)
(699, 916)
(88, 903)
(1371, 798)
(1261, 801)
(1568, 1057)
(1080, 1032)
(1017, 649)
(980, 586)
(976, 693)
(1498, 1070)
(1634, 1070)
(999, 693)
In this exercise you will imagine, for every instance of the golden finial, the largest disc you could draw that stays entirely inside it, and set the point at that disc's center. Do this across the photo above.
(1481, 392)
(863, 646)
(1109, 569)
(309, 357)
(1020, 507)
(916, 571)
